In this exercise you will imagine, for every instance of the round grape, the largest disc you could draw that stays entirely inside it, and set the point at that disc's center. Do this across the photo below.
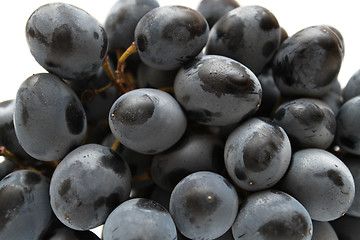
(321, 182)
(194, 152)
(213, 10)
(87, 185)
(257, 154)
(203, 205)
(139, 218)
(347, 132)
(147, 120)
(121, 21)
(49, 118)
(24, 205)
(308, 62)
(169, 36)
(249, 34)
(66, 40)
(272, 214)
(217, 90)
(309, 123)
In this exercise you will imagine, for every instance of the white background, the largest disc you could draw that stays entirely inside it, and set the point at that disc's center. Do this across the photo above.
(17, 64)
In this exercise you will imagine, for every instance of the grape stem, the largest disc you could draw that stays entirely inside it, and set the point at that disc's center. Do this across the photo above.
(143, 177)
(132, 49)
(115, 145)
(123, 80)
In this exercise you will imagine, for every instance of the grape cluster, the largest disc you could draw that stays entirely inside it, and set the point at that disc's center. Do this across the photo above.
(177, 123)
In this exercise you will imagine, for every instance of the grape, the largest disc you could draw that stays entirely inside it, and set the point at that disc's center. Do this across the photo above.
(284, 35)
(270, 93)
(257, 154)
(309, 123)
(8, 137)
(336, 87)
(161, 196)
(347, 133)
(340, 36)
(307, 63)
(217, 91)
(323, 231)
(137, 162)
(169, 36)
(321, 182)
(66, 40)
(203, 205)
(347, 227)
(148, 77)
(140, 218)
(121, 21)
(333, 100)
(272, 214)
(25, 210)
(212, 10)
(249, 34)
(89, 183)
(194, 152)
(7, 166)
(147, 120)
(96, 106)
(353, 163)
(49, 118)
(352, 88)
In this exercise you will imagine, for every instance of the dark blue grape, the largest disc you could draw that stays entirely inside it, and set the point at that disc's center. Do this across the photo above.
(161, 196)
(25, 210)
(49, 118)
(147, 120)
(340, 36)
(347, 132)
(353, 163)
(8, 137)
(352, 87)
(308, 62)
(203, 205)
(249, 34)
(194, 152)
(89, 183)
(66, 40)
(336, 87)
(323, 231)
(169, 36)
(97, 106)
(333, 100)
(309, 123)
(347, 227)
(321, 182)
(148, 77)
(213, 10)
(122, 19)
(140, 218)
(272, 214)
(138, 162)
(217, 90)
(257, 154)
(270, 93)
(7, 166)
